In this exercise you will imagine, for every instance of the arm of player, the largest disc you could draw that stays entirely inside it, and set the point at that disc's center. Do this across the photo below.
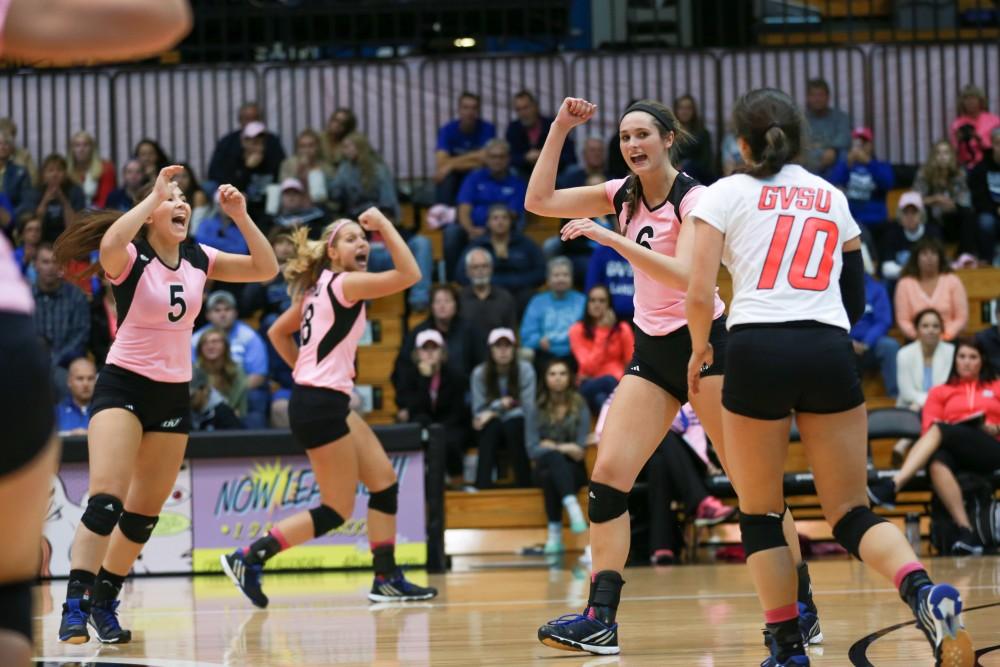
(542, 198)
(281, 333)
(67, 32)
(671, 271)
(113, 254)
(260, 265)
(699, 305)
(360, 285)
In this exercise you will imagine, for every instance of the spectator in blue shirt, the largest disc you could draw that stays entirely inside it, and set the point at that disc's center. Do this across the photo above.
(247, 349)
(526, 135)
(73, 413)
(865, 180)
(133, 179)
(546, 323)
(220, 232)
(610, 269)
(460, 145)
(872, 344)
(496, 183)
(517, 260)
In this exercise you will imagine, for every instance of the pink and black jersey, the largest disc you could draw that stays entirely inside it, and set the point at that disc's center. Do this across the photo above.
(659, 309)
(330, 330)
(157, 306)
(15, 295)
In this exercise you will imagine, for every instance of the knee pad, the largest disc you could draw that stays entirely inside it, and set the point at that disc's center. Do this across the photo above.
(605, 502)
(325, 519)
(137, 527)
(102, 513)
(384, 501)
(15, 608)
(761, 532)
(853, 526)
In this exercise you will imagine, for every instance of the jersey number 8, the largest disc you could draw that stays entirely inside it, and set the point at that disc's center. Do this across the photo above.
(797, 277)
(306, 327)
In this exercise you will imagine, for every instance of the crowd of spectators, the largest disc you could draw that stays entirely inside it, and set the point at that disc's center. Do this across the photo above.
(526, 342)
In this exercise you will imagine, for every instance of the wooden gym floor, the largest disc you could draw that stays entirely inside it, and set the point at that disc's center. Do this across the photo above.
(702, 615)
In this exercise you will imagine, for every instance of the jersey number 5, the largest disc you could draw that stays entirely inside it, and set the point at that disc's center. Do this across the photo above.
(176, 300)
(797, 277)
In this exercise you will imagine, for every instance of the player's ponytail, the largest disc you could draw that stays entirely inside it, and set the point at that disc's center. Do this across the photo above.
(304, 268)
(83, 237)
(768, 120)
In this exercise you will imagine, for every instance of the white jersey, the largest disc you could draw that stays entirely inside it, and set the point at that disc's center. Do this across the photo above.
(783, 239)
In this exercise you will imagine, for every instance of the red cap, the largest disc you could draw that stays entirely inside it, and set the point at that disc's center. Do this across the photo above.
(862, 133)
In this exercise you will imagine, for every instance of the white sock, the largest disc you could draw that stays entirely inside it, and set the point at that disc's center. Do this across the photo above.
(555, 532)
(573, 509)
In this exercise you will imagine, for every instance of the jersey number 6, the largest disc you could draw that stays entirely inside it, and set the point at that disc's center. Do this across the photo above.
(176, 300)
(797, 277)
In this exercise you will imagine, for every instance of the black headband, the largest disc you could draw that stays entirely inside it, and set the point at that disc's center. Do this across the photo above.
(652, 111)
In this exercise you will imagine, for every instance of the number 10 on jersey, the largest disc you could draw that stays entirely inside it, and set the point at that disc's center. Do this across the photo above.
(797, 276)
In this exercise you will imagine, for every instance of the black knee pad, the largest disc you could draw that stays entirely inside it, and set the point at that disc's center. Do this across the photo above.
(761, 532)
(853, 526)
(605, 502)
(325, 519)
(15, 608)
(384, 501)
(102, 513)
(137, 527)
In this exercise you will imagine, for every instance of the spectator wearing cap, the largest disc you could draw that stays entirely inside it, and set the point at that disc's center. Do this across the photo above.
(943, 185)
(219, 231)
(229, 149)
(73, 412)
(297, 210)
(430, 391)
(503, 409)
(209, 410)
(464, 349)
(246, 348)
(486, 305)
(971, 129)
(253, 169)
(898, 240)
(865, 180)
(984, 183)
(829, 129)
(129, 192)
(551, 314)
(309, 166)
(873, 347)
(459, 147)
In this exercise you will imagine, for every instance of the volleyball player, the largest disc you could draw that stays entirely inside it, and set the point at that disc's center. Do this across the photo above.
(650, 207)
(140, 413)
(794, 251)
(329, 284)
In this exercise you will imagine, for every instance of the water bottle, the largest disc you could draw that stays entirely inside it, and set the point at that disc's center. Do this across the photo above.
(913, 531)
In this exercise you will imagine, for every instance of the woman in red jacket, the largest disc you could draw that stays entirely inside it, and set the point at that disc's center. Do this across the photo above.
(602, 346)
(961, 433)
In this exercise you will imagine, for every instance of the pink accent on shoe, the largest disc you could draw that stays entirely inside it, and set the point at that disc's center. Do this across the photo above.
(711, 507)
(277, 534)
(780, 614)
(383, 543)
(590, 613)
(245, 550)
(915, 566)
(593, 577)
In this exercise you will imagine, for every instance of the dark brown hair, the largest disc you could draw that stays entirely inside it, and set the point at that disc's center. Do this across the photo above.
(923, 313)
(573, 401)
(665, 122)
(492, 377)
(768, 120)
(986, 371)
(912, 269)
(589, 323)
(83, 237)
(695, 125)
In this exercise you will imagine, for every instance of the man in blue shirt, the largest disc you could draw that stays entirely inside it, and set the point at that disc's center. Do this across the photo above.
(73, 413)
(872, 344)
(460, 147)
(496, 183)
(546, 322)
(221, 233)
(866, 182)
(246, 348)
